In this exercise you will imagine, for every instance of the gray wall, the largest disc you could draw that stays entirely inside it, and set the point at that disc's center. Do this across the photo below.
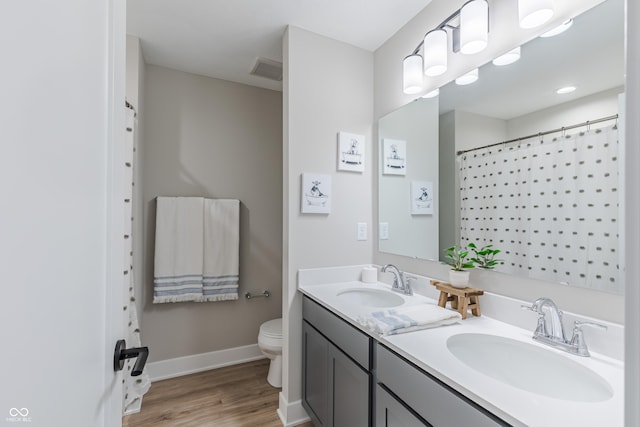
(213, 138)
(328, 88)
(410, 235)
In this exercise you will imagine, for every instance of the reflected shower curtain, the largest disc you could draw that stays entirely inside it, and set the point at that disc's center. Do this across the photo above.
(134, 387)
(551, 207)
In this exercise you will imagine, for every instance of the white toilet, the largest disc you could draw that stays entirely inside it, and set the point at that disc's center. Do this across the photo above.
(270, 343)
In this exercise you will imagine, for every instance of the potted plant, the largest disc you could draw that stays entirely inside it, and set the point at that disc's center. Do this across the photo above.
(485, 256)
(458, 276)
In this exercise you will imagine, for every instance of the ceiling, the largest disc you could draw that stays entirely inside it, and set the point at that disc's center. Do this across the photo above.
(223, 38)
(589, 56)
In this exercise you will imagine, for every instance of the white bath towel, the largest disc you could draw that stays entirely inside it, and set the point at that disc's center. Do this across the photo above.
(178, 264)
(221, 249)
(407, 319)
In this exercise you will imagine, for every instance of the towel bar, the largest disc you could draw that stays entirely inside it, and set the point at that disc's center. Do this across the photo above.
(249, 295)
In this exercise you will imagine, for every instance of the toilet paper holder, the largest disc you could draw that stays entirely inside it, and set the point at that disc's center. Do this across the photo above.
(265, 293)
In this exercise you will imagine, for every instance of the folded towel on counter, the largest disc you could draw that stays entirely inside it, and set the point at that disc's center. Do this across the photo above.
(221, 249)
(178, 262)
(407, 319)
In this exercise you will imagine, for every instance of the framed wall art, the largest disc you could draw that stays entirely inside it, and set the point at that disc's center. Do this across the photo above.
(394, 157)
(316, 193)
(421, 198)
(351, 152)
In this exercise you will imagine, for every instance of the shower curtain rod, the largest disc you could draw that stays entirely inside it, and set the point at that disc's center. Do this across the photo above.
(562, 129)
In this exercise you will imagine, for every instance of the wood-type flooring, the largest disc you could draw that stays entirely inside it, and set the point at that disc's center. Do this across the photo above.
(234, 396)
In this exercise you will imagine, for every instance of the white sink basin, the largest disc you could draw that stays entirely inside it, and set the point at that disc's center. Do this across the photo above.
(529, 367)
(371, 297)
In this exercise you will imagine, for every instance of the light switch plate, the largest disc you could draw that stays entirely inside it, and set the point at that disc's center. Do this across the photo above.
(383, 231)
(362, 231)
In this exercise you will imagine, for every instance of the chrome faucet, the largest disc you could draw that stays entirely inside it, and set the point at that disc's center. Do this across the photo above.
(556, 331)
(552, 333)
(399, 284)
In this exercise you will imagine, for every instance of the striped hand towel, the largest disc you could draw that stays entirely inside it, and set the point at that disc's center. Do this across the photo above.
(407, 319)
(221, 249)
(179, 249)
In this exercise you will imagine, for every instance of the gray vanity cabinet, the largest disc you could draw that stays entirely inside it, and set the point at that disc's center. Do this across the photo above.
(391, 413)
(428, 398)
(336, 378)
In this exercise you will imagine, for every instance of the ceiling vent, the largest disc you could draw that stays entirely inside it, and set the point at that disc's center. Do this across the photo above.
(268, 69)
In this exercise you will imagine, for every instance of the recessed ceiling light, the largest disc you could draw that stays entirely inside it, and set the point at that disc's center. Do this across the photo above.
(508, 58)
(566, 89)
(467, 79)
(432, 94)
(559, 29)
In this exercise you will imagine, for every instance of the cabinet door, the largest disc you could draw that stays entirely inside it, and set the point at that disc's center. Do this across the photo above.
(315, 375)
(391, 413)
(432, 400)
(350, 391)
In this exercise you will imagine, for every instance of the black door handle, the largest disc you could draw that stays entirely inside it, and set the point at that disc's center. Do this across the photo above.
(122, 353)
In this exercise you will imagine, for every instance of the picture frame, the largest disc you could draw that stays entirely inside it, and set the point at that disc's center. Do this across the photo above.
(422, 200)
(315, 194)
(394, 156)
(351, 152)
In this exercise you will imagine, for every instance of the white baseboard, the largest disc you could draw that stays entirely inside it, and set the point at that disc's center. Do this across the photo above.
(291, 414)
(171, 368)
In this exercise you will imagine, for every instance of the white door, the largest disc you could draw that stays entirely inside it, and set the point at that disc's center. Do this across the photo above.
(61, 97)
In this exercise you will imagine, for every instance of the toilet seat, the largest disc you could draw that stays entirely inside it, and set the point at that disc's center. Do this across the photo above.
(272, 329)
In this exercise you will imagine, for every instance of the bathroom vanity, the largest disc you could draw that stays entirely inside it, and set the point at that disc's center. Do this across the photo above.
(336, 369)
(352, 377)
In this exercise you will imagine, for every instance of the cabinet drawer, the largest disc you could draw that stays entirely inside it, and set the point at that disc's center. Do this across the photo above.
(435, 402)
(346, 337)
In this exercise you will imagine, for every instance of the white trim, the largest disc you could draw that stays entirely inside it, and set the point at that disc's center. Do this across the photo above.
(179, 366)
(632, 212)
(291, 414)
(114, 286)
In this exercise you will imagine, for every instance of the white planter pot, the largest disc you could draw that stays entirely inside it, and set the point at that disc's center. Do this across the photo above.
(459, 279)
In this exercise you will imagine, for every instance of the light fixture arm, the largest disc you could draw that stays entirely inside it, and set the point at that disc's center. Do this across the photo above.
(444, 24)
(455, 29)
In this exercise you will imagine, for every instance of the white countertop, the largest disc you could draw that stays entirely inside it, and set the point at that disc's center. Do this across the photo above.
(428, 350)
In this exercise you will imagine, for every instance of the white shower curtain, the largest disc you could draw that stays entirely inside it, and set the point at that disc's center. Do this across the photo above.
(134, 387)
(551, 206)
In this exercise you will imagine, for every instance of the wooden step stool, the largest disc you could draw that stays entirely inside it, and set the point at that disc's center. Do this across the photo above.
(461, 299)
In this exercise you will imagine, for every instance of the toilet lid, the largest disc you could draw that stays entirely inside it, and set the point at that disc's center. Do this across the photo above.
(272, 328)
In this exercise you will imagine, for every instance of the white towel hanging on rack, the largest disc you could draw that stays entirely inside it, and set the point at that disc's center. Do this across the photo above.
(178, 263)
(221, 249)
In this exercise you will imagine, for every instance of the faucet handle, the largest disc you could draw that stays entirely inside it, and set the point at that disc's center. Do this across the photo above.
(407, 285)
(578, 324)
(577, 340)
(541, 326)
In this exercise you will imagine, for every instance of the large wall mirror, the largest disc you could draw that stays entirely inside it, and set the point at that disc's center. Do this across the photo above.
(551, 201)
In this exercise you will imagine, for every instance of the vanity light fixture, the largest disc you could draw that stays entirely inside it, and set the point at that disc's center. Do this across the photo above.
(508, 58)
(474, 26)
(432, 94)
(469, 35)
(412, 74)
(435, 52)
(559, 29)
(468, 78)
(566, 89)
(533, 13)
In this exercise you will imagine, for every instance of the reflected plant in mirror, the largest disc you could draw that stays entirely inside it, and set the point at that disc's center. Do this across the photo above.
(485, 256)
